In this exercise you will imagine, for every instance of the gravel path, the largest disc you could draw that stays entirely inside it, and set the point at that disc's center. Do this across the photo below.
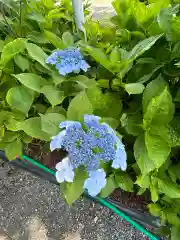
(32, 209)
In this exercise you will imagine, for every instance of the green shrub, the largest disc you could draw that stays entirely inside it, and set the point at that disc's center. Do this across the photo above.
(133, 85)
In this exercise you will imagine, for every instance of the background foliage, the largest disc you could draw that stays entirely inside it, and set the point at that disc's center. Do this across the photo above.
(133, 85)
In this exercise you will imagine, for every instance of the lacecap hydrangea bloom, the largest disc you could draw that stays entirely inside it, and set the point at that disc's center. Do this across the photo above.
(88, 144)
(67, 61)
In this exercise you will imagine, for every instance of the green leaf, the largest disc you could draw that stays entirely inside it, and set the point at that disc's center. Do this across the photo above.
(109, 188)
(105, 105)
(79, 106)
(111, 122)
(132, 123)
(124, 181)
(145, 164)
(20, 98)
(169, 188)
(37, 54)
(74, 190)
(175, 54)
(12, 49)
(143, 46)
(154, 193)
(54, 95)
(13, 149)
(154, 209)
(83, 81)
(31, 81)
(55, 40)
(153, 89)
(158, 149)
(175, 233)
(68, 40)
(21, 62)
(160, 110)
(58, 79)
(1, 45)
(50, 123)
(134, 88)
(32, 127)
(99, 56)
(115, 55)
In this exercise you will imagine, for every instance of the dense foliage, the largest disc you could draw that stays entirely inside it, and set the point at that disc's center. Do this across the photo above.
(133, 85)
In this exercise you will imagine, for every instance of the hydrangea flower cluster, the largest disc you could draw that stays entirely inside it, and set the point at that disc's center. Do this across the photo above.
(67, 61)
(88, 144)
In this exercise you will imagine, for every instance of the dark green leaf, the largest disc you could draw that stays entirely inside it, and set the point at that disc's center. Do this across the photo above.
(79, 106)
(50, 123)
(55, 40)
(175, 233)
(1, 45)
(143, 46)
(132, 123)
(124, 181)
(20, 98)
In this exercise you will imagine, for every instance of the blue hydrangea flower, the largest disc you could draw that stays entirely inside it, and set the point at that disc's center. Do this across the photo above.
(95, 182)
(88, 144)
(64, 171)
(67, 61)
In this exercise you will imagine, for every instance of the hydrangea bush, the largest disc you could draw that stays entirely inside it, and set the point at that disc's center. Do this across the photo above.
(111, 102)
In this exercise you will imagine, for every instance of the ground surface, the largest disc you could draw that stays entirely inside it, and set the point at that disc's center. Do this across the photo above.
(31, 209)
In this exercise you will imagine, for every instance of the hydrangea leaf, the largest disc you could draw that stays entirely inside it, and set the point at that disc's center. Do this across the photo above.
(74, 190)
(50, 123)
(124, 181)
(21, 62)
(79, 106)
(109, 188)
(134, 88)
(54, 95)
(13, 149)
(20, 98)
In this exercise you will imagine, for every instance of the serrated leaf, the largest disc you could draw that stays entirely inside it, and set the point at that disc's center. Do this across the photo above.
(21, 62)
(79, 106)
(54, 95)
(20, 98)
(32, 127)
(143, 46)
(105, 105)
(169, 188)
(109, 188)
(68, 39)
(132, 123)
(32, 81)
(124, 181)
(12, 49)
(37, 54)
(50, 123)
(134, 88)
(74, 190)
(145, 164)
(158, 149)
(160, 110)
(13, 149)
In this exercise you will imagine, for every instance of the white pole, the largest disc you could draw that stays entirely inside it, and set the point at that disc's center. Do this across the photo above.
(79, 14)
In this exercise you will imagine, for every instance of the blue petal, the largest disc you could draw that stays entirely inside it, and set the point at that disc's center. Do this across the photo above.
(120, 160)
(56, 142)
(84, 65)
(67, 124)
